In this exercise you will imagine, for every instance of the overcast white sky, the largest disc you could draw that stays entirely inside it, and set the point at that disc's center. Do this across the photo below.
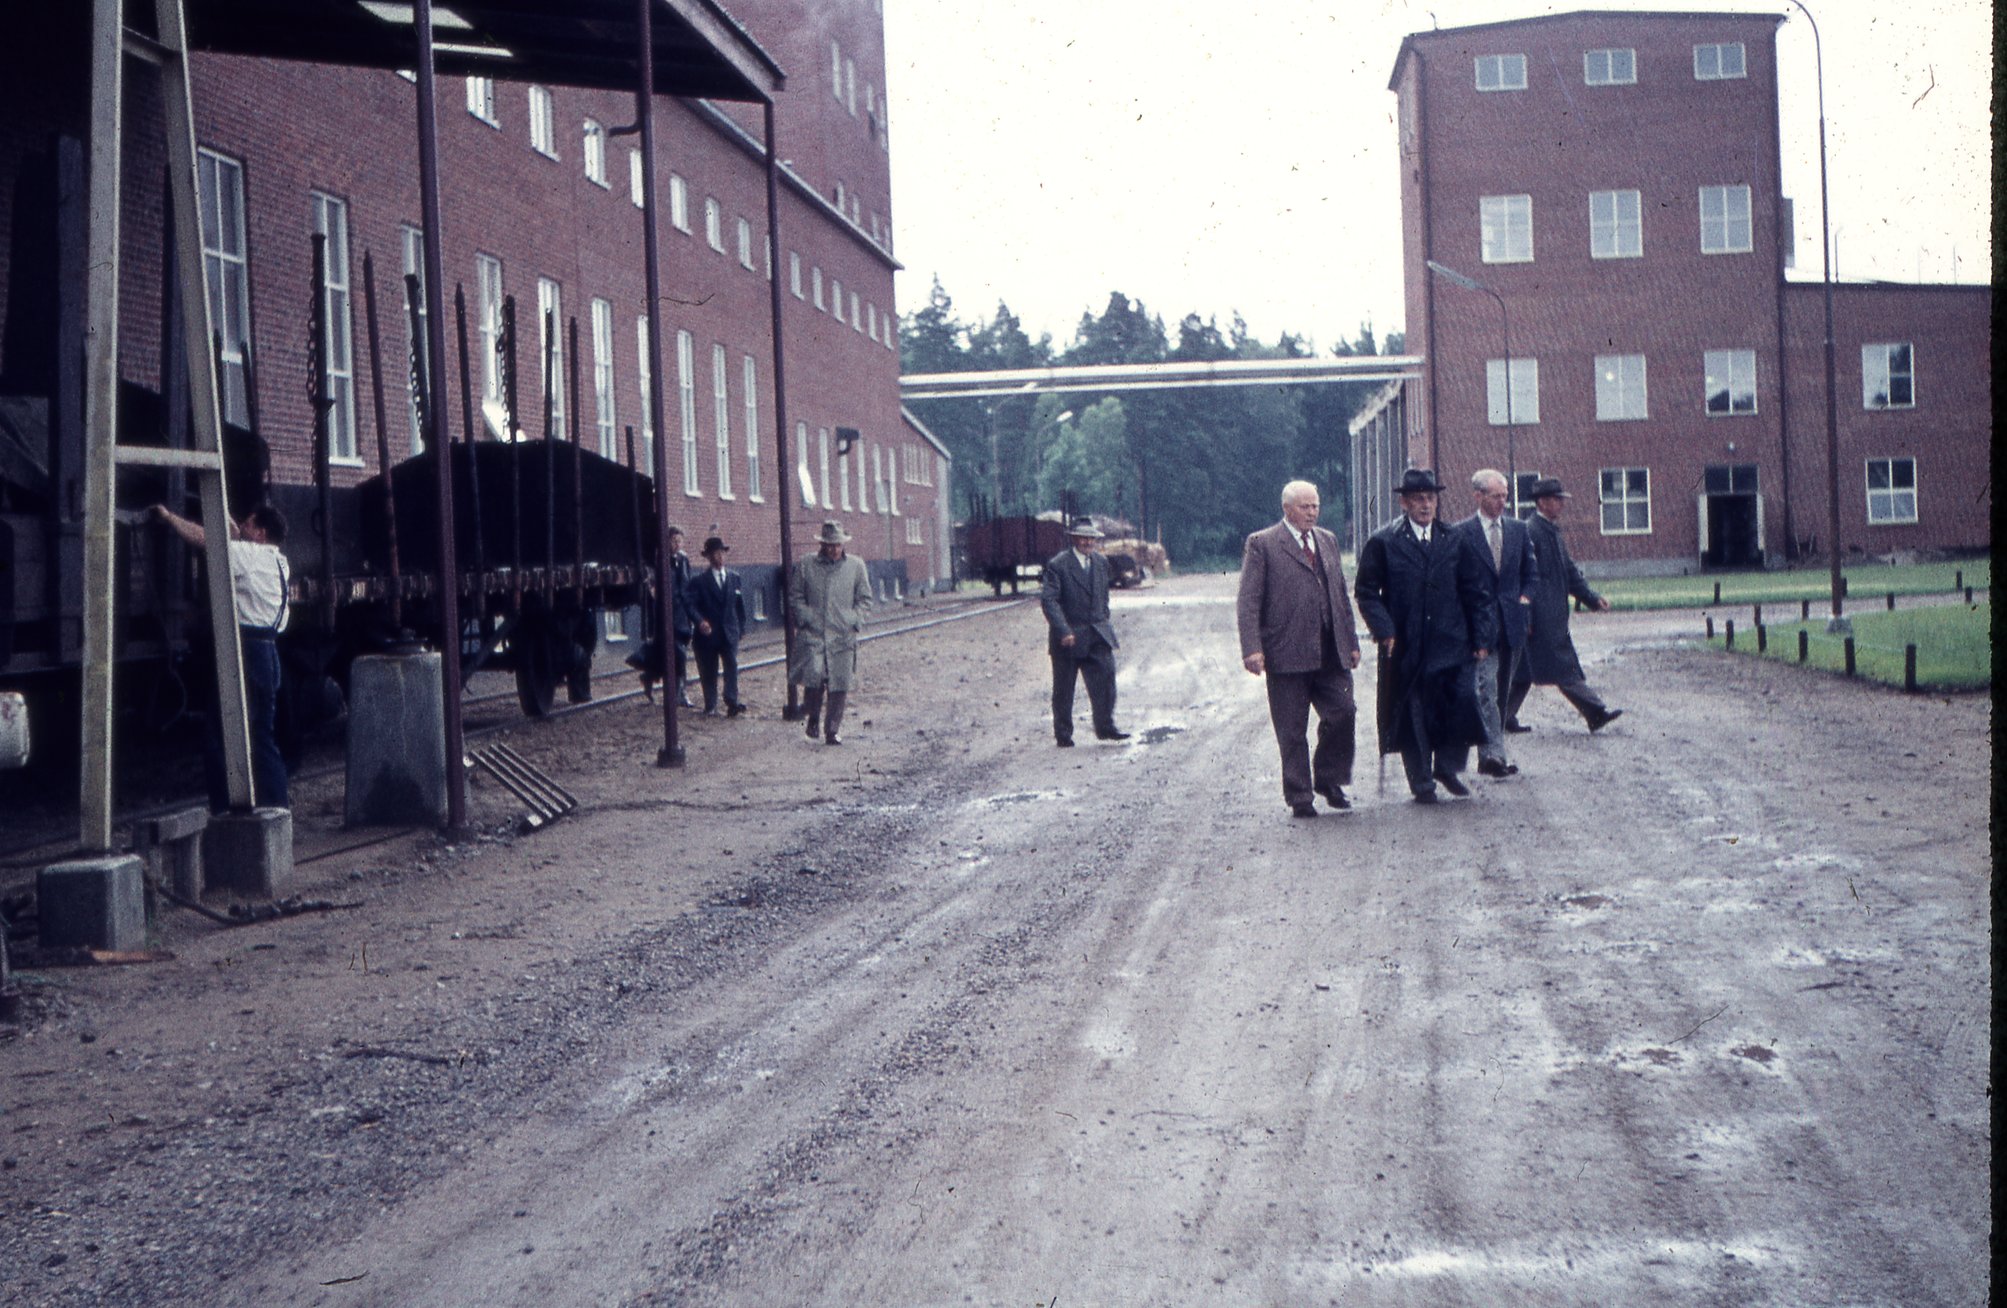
(1217, 156)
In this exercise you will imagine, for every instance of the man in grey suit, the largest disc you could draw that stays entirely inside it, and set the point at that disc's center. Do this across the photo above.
(1296, 629)
(1081, 639)
(1505, 549)
(1550, 650)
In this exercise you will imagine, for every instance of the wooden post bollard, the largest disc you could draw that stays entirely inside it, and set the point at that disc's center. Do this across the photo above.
(1762, 639)
(1710, 626)
(1730, 640)
(1968, 594)
(1717, 592)
(1844, 584)
(1850, 656)
(1892, 601)
(1804, 610)
(1804, 645)
(1759, 614)
(1958, 579)
(1909, 667)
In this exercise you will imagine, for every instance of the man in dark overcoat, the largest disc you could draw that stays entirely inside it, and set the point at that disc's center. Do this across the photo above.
(1296, 629)
(1550, 650)
(1511, 572)
(716, 601)
(1080, 637)
(1422, 591)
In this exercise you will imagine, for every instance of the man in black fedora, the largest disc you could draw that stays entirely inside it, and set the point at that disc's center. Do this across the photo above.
(1423, 593)
(1550, 651)
(1081, 638)
(716, 600)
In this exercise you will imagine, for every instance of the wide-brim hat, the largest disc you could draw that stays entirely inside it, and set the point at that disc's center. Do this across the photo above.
(1549, 486)
(1084, 529)
(715, 545)
(832, 534)
(1416, 480)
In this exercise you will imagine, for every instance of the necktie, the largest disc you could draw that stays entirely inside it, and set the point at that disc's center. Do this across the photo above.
(1309, 554)
(1497, 546)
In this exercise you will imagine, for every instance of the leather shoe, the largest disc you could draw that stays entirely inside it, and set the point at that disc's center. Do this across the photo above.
(1453, 784)
(1306, 809)
(733, 710)
(1492, 767)
(814, 727)
(831, 739)
(1426, 797)
(1517, 728)
(1605, 720)
(1065, 742)
(1335, 797)
(1111, 735)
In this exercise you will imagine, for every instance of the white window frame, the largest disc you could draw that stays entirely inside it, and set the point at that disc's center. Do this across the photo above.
(746, 244)
(1500, 72)
(411, 246)
(913, 532)
(794, 272)
(1621, 394)
(1711, 62)
(714, 223)
(856, 313)
(328, 216)
(489, 293)
(550, 317)
(644, 358)
(543, 122)
(1525, 391)
(1505, 228)
(1879, 375)
(226, 271)
(822, 441)
(804, 474)
(871, 321)
(594, 150)
(815, 282)
(755, 489)
(836, 299)
(481, 100)
(721, 420)
(1616, 225)
(604, 418)
(1725, 225)
(1613, 67)
(850, 86)
(1886, 503)
(679, 203)
(1733, 372)
(686, 407)
(1626, 501)
(836, 70)
(843, 458)
(636, 190)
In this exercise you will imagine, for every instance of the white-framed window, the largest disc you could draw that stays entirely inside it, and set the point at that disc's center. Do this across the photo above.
(913, 532)
(1714, 63)
(1620, 387)
(822, 441)
(636, 190)
(1891, 490)
(411, 243)
(842, 197)
(1888, 376)
(1610, 67)
(721, 420)
(330, 219)
(1501, 72)
(613, 625)
(871, 321)
(644, 373)
(550, 353)
(1616, 225)
(1626, 498)
(745, 244)
(815, 281)
(1724, 220)
(1505, 228)
(794, 272)
(836, 299)
(850, 86)
(686, 407)
(856, 313)
(488, 291)
(602, 378)
(1522, 495)
(1525, 392)
(226, 270)
(481, 100)
(804, 475)
(755, 490)
(679, 203)
(714, 224)
(844, 459)
(1731, 382)
(594, 150)
(863, 487)
(836, 69)
(543, 122)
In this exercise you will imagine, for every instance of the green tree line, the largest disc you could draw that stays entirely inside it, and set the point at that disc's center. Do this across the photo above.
(1196, 467)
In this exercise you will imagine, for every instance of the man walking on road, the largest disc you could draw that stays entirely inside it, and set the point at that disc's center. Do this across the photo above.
(829, 593)
(1511, 573)
(1550, 650)
(1423, 594)
(1081, 638)
(717, 604)
(1296, 629)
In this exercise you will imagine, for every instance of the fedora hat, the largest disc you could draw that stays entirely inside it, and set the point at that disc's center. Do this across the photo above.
(1549, 486)
(1084, 529)
(715, 544)
(1415, 480)
(832, 534)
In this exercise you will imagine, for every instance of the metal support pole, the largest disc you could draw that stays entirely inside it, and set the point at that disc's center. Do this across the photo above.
(671, 753)
(784, 469)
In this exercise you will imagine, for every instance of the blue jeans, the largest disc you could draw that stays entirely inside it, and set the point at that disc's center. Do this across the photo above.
(261, 702)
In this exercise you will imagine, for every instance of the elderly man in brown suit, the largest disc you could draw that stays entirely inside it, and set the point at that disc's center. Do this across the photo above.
(1296, 629)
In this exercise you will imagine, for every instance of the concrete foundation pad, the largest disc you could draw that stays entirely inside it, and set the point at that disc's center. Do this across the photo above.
(93, 903)
(396, 741)
(249, 853)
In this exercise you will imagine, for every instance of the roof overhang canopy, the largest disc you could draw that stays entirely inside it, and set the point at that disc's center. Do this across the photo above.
(699, 49)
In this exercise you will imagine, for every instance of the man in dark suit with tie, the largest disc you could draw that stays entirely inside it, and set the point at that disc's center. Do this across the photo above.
(1423, 594)
(1550, 650)
(717, 603)
(1512, 573)
(1081, 639)
(1296, 629)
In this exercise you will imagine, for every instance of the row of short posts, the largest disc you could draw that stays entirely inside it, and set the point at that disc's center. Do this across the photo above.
(1805, 642)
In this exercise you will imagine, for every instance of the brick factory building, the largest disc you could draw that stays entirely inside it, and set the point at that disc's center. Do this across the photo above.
(542, 203)
(1614, 179)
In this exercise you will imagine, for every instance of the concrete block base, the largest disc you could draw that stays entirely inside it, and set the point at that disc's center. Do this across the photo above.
(249, 853)
(396, 742)
(93, 903)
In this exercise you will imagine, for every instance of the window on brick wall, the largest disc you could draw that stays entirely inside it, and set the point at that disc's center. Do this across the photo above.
(1610, 67)
(804, 473)
(1724, 220)
(1525, 408)
(822, 453)
(1616, 225)
(794, 273)
(644, 355)
(679, 203)
(1714, 63)
(411, 242)
(1625, 495)
(816, 284)
(1891, 490)
(225, 267)
(1731, 382)
(488, 292)
(481, 100)
(543, 122)
(1505, 228)
(595, 153)
(1620, 387)
(836, 299)
(636, 190)
(755, 489)
(1501, 72)
(856, 313)
(745, 244)
(1888, 376)
(714, 224)
(721, 420)
(550, 355)
(686, 407)
(330, 220)
(604, 420)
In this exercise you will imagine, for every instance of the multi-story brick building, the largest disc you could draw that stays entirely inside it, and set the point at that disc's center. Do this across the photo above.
(1614, 180)
(542, 203)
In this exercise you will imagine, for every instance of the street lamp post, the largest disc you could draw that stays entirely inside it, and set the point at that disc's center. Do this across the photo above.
(1456, 278)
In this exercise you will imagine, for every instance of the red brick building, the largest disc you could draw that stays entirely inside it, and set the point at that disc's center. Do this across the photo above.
(1614, 180)
(541, 202)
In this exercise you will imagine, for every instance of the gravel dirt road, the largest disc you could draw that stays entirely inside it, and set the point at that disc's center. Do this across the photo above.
(1693, 1011)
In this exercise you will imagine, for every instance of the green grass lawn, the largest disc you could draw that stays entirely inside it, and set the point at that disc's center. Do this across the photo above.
(1867, 584)
(1954, 644)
